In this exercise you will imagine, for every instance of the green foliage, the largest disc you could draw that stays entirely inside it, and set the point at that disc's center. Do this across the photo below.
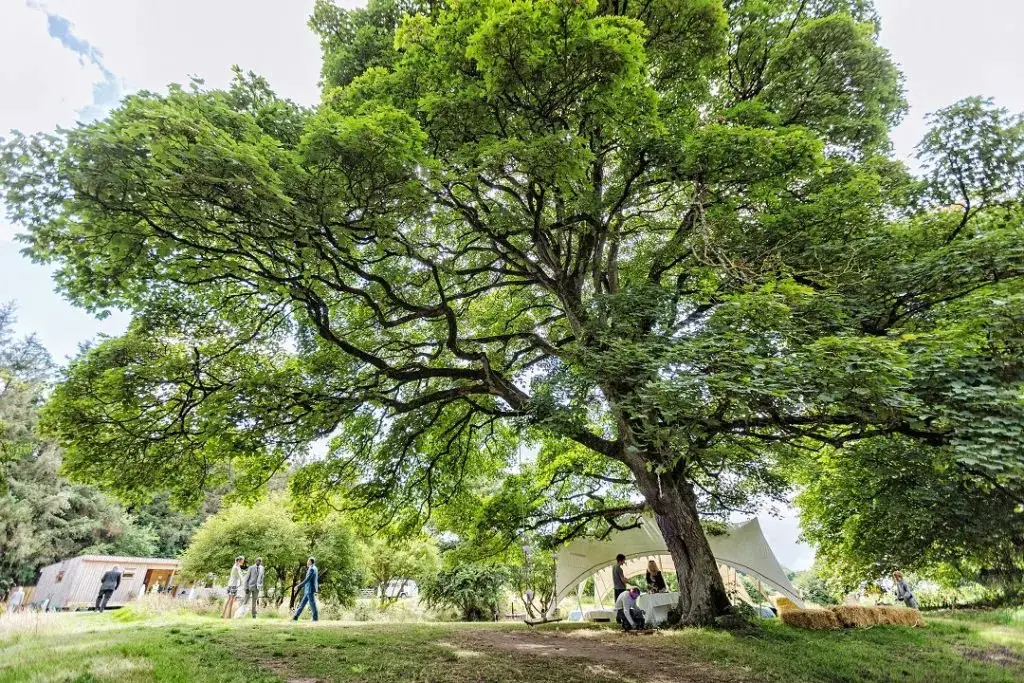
(173, 528)
(264, 530)
(399, 560)
(814, 588)
(268, 529)
(890, 504)
(132, 541)
(664, 241)
(340, 558)
(24, 368)
(43, 517)
(475, 590)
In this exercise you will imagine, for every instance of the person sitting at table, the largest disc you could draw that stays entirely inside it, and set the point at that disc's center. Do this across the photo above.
(655, 579)
(627, 613)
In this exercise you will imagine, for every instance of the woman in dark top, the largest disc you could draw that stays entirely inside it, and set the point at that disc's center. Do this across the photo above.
(655, 579)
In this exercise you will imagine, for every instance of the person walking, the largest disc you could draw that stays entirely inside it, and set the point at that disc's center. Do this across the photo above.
(903, 592)
(619, 576)
(108, 584)
(234, 583)
(655, 579)
(310, 587)
(254, 584)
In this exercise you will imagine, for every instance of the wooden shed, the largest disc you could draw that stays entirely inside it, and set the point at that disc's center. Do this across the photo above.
(74, 583)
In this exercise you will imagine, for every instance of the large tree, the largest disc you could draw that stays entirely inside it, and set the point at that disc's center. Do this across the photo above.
(666, 232)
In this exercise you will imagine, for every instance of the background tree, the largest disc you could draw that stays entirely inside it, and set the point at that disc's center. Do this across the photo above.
(130, 539)
(392, 563)
(268, 529)
(264, 530)
(43, 517)
(474, 590)
(173, 527)
(889, 505)
(815, 588)
(340, 558)
(25, 367)
(668, 233)
(534, 572)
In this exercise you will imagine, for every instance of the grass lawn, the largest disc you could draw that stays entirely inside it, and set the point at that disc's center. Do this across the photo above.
(87, 648)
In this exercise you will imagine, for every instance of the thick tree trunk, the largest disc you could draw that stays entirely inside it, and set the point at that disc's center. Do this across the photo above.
(702, 595)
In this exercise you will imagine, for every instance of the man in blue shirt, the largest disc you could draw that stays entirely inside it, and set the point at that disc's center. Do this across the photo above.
(310, 587)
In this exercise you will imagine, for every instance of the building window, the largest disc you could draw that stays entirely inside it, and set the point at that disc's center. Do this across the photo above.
(128, 573)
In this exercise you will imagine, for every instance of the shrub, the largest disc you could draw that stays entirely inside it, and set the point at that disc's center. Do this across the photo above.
(474, 590)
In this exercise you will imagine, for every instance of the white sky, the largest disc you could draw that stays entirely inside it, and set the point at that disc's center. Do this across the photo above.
(66, 60)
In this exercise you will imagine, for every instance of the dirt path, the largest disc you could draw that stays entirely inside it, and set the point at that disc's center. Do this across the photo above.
(603, 653)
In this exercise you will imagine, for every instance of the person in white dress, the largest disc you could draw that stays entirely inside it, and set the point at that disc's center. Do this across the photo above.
(234, 584)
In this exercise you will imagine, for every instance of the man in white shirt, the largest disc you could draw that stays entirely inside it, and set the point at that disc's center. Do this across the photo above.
(626, 611)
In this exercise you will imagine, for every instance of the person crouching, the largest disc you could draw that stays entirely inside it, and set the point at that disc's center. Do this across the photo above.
(627, 613)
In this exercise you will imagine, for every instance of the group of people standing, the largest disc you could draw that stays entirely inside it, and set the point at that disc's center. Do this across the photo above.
(249, 582)
(627, 613)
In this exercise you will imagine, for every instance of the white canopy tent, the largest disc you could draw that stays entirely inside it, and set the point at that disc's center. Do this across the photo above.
(742, 548)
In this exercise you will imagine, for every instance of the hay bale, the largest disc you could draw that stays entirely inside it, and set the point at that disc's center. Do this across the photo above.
(852, 616)
(897, 616)
(783, 603)
(812, 619)
(855, 617)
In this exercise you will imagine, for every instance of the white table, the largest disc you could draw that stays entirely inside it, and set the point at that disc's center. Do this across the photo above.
(656, 606)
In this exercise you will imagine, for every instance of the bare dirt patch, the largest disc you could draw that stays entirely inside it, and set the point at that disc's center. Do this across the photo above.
(282, 670)
(612, 654)
(999, 655)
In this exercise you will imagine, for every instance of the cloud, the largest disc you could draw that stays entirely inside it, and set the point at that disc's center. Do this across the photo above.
(60, 28)
(107, 91)
(150, 44)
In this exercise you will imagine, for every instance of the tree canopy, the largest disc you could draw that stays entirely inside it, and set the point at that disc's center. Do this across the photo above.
(663, 239)
(877, 507)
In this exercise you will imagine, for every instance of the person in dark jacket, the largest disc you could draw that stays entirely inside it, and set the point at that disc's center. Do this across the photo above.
(655, 579)
(108, 584)
(618, 576)
(310, 587)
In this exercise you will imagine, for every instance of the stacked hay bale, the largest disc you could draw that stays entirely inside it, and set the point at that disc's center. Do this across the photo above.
(812, 619)
(896, 616)
(850, 616)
